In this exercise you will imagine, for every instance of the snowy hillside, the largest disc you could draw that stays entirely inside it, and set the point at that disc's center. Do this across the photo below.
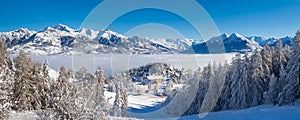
(263, 112)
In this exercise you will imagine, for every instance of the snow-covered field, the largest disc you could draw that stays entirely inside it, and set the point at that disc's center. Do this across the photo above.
(149, 107)
(263, 112)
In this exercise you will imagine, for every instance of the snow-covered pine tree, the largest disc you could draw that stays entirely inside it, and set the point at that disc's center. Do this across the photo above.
(232, 82)
(275, 87)
(6, 80)
(266, 55)
(223, 102)
(100, 81)
(116, 110)
(82, 76)
(71, 75)
(111, 85)
(221, 74)
(271, 95)
(120, 106)
(240, 87)
(291, 88)
(287, 51)
(28, 84)
(48, 83)
(46, 69)
(215, 88)
(41, 74)
(201, 90)
(224, 99)
(257, 84)
(280, 84)
(41, 85)
(278, 59)
(100, 107)
(63, 97)
(180, 100)
(90, 100)
(83, 86)
(22, 95)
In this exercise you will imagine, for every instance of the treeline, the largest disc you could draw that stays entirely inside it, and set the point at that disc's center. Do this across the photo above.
(268, 76)
(25, 85)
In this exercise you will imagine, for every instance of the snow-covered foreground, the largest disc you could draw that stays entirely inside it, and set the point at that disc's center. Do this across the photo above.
(263, 112)
(150, 107)
(143, 106)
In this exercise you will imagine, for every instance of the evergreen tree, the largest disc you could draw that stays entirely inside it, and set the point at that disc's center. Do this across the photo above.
(287, 51)
(71, 75)
(240, 98)
(100, 81)
(183, 101)
(279, 59)
(218, 85)
(280, 84)
(271, 95)
(46, 69)
(63, 97)
(29, 85)
(100, 106)
(226, 92)
(120, 106)
(41, 83)
(6, 80)
(201, 90)
(91, 101)
(84, 86)
(257, 83)
(22, 66)
(266, 55)
(291, 88)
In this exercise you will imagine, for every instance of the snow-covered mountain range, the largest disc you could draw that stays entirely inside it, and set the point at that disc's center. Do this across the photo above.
(238, 43)
(62, 39)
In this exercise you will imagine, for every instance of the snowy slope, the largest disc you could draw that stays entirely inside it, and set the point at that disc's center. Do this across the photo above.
(19, 36)
(149, 107)
(180, 44)
(263, 112)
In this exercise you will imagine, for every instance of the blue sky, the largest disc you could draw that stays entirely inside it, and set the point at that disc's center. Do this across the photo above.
(268, 18)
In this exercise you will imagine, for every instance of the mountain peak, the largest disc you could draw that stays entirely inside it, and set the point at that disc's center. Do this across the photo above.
(236, 35)
(63, 27)
(23, 30)
(108, 34)
(224, 35)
